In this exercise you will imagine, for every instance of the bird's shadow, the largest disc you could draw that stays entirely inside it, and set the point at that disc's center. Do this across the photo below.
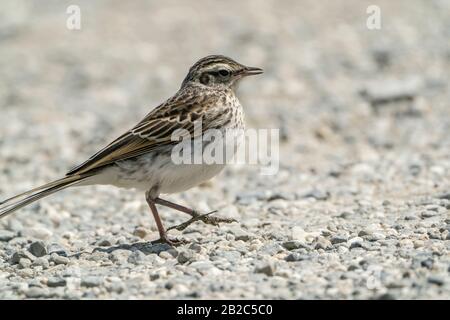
(145, 247)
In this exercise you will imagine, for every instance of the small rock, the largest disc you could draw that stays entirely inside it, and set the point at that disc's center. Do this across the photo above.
(24, 263)
(22, 254)
(140, 232)
(389, 90)
(317, 194)
(36, 292)
(56, 248)
(91, 281)
(376, 236)
(295, 256)
(104, 242)
(428, 214)
(427, 263)
(322, 243)
(195, 247)
(37, 233)
(56, 282)
(42, 261)
(240, 234)
(136, 257)
(119, 255)
(271, 249)
(294, 244)
(38, 249)
(185, 256)
(435, 280)
(6, 235)
(338, 239)
(266, 268)
(57, 259)
(355, 242)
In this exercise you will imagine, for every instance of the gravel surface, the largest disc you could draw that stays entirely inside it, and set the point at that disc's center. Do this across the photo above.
(359, 208)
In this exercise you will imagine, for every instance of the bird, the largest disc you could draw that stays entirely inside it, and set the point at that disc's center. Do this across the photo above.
(141, 157)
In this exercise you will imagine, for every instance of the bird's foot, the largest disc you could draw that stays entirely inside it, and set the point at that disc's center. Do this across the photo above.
(206, 218)
(174, 242)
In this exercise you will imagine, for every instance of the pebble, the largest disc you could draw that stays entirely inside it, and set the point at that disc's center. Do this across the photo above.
(356, 242)
(57, 259)
(6, 235)
(140, 232)
(24, 263)
(137, 257)
(36, 233)
(20, 255)
(42, 262)
(294, 244)
(36, 292)
(295, 256)
(240, 234)
(56, 248)
(56, 282)
(266, 268)
(185, 256)
(322, 243)
(38, 249)
(91, 282)
(338, 239)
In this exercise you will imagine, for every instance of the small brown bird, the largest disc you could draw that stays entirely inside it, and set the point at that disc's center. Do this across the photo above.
(141, 157)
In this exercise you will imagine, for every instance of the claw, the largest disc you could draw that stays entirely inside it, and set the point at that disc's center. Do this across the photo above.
(215, 221)
(171, 242)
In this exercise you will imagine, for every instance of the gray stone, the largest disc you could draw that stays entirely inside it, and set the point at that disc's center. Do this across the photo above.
(104, 242)
(136, 257)
(57, 259)
(428, 214)
(22, 254)
(185, 256)
(42, 261)
(56, 248)
(36, 292)
(6, 235)
(38, 249)
(295, 244)
(91, 281)
(295, 256)
(266, 268)
(36, 233)
(240, 234)
(317, 194)
(436, 280)
(119, 256)
(24, 263)
(322, 243)
(338, 239)
(56, 282)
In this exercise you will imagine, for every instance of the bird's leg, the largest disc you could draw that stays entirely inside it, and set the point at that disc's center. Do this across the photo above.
(163, 238)
(194, 214)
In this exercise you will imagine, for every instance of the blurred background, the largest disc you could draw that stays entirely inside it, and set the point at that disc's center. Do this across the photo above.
(363, 113)
(75, 90)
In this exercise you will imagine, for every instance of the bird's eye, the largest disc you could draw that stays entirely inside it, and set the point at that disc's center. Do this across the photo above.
(224, 72)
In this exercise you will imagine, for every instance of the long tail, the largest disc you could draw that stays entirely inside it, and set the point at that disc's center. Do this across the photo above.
(12, 204)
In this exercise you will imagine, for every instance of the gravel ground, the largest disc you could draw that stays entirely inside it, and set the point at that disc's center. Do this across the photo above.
(359, 208)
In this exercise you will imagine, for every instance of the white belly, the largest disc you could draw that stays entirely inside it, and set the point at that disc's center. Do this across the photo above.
(158, 173)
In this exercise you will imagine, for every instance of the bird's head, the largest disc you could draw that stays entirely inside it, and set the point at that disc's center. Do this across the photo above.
(218, 71)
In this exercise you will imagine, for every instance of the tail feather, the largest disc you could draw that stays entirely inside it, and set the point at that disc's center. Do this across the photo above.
(12, 204)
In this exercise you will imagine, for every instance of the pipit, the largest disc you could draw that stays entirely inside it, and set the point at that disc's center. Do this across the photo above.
(141, 157)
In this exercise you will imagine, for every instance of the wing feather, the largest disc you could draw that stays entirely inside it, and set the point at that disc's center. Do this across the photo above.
(155, 130)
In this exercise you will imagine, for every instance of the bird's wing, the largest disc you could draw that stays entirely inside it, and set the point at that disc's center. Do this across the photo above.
(179, 112)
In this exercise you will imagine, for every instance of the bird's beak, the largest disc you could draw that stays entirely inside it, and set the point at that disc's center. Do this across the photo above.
(251, 71)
